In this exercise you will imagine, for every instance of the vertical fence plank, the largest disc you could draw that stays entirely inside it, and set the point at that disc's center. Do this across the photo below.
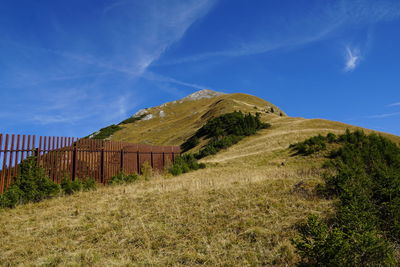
(53, 158)
(39, 151)
(56, 165)
(16, 158)
(45, 156)
(33, 145)
(1, 162)
(9, 169)
(4, 168)
(61, 159)
(28, 146)
(48, 156)
(74, 160)
(102, 165)
(89, 172)
(69, 158)
(22, 148)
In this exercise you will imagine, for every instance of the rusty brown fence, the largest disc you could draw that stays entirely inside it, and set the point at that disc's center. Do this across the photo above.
(73, 158)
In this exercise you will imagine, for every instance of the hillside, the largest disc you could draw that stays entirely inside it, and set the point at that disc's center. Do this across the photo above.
(239, 211)
(172, 123)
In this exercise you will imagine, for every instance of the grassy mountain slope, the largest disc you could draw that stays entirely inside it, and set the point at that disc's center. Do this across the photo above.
(241, 210)
(172, 123)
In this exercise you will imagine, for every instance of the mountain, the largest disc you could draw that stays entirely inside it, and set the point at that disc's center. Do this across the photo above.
(172, 123)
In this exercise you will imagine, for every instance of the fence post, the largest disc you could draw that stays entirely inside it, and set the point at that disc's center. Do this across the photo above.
(37, 155)
(74, 162)
(138, 161)
(151, 159)
(163, 159)
(102, 165)
(122, 160)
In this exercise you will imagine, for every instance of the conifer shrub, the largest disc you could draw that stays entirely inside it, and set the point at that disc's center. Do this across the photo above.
(311, 145)
(122, 178)
(69, 187)
(89, 184)
(184, 164)
(106, 132)
(30, 185)
(224, 131)
(132, 119)
(366, 227)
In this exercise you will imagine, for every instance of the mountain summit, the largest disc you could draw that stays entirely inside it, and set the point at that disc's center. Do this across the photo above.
(205, 93)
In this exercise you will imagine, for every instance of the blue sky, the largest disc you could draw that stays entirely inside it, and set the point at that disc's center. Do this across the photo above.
(68, 68)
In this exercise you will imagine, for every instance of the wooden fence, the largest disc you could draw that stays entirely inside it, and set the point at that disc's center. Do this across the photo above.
(73, 158)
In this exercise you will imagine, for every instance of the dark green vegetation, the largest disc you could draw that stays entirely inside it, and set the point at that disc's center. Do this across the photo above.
(184, 164)
(69, 187)
(122, 178)
(313, 144)
(106, 132)
(224, 131)
(366, 181)
(132, 119)
(33, 185)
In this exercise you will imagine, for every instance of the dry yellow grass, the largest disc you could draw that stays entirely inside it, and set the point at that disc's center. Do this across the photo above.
(240, 211)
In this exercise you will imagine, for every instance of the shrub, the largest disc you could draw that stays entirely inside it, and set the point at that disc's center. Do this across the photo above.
(132, 119)
(146, 170)
(30, 185)
(11, 197)
(89, 184)
(122, 178)
(311, 145)
(190, 143)
(224, 131)
(106, 132)
(366, 226)
(331, 137)
(70, 187)
(184, 164)
(33, 185)
(320, 245)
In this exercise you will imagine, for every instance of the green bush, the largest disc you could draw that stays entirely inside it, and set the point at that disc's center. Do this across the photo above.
(311, 145)
(70, 187)
(106, 132)
(224, 131)
(132, 119)
(89, 184)
(184, 164)
(30, 185)
(321, 245)
(122, 178)
(366, 226)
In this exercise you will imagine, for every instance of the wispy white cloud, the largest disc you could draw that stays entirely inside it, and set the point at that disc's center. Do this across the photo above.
(151, 76)
(319, 23)
(263, 45)
(352, 59)
(385, 115)
(90, 80)
(394, 104)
